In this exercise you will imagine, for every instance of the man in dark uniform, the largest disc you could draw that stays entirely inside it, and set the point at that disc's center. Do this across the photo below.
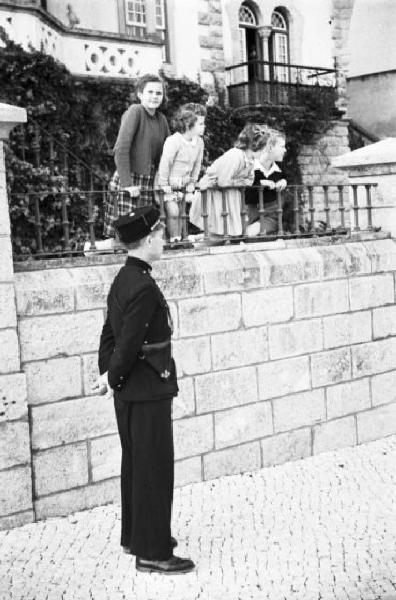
(135, 360)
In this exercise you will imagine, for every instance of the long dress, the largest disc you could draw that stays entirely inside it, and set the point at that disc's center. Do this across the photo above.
(232, 169)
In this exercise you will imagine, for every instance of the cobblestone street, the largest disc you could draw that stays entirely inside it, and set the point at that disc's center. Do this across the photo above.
(317, 529)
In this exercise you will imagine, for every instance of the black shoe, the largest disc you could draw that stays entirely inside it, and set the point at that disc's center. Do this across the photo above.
(173, 566)
(127, 550)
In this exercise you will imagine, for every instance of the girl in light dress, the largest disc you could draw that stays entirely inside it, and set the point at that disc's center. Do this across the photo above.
(235, 168)
(180, 163)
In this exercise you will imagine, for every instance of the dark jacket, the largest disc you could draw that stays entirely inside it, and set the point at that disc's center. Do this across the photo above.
(137, 317)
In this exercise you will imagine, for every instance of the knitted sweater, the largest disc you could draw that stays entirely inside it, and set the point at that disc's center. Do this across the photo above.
(181, 159)
(139, 143)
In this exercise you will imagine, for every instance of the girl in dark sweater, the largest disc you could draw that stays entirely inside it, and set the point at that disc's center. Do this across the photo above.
(137, 151)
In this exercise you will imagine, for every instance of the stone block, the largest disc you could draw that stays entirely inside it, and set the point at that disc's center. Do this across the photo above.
(15, 444)
(61, 335)
(376, 423)
(91, 285)
(299, 410)
(299, 264)
(295, 338)
(71, 421)
(331, 367)
(347, 329)
(347, 398)
(383, 388)
(18, 520)
(44, 292)
(242, 424)
(193, 436)
(15, 490)
(229, 272)
(373, 357)
(64, 503)
(6, 270)
(284, 447)
(60, 469)
(384, 321)
(224, 389)
(52, 380)
(334, 434)
(382, 254)
(7, 306)
(192, 355)
(239, 348)
(9, 351)
(313, 299)
(232, 460)
(105, 457)
(184, 402)
(178, 278)
(209, 314)
(281, 377)
(267, 306)
(13, 404)
(374, 290)
(188, 471)
(344, 260)
(90, 372)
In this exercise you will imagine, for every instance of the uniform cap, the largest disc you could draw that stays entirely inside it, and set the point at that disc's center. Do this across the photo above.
(137, 224)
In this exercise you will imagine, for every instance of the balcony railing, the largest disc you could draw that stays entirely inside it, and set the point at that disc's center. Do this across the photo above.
(65, 223)
(258, 82)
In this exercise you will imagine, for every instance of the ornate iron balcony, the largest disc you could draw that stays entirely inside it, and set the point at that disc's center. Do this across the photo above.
(259, 82)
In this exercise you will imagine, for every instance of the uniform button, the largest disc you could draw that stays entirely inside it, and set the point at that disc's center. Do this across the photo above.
(146, 324)
(144, 272)
(145, 342)
(121, 378)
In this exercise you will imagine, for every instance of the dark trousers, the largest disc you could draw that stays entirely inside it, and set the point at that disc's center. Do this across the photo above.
(147, 476)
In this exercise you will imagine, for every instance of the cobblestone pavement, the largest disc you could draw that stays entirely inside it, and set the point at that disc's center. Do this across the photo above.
(319, 529)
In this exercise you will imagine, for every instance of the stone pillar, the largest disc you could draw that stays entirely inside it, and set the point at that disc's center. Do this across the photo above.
(375, 163)
(264, 33)
(16, 507)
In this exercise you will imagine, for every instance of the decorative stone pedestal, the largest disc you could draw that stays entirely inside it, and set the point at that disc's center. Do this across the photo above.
(16, 505)
(375, 163)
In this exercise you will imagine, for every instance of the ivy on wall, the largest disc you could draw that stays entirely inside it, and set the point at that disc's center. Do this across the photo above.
(85, 115)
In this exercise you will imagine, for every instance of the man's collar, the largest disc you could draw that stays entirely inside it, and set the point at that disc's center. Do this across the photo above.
(134, 261)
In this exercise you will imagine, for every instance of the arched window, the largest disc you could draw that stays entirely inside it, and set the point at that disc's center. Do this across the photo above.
(247, 18)
(248, 40)
(279, 45)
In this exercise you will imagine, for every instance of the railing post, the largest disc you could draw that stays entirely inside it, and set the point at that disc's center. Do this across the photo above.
(279, 211)
(355, 208)
(15, 470)
(311, 208)
(261, 211)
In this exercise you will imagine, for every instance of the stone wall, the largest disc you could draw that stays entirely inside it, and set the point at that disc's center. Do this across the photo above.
(282, 353)
(210, 25)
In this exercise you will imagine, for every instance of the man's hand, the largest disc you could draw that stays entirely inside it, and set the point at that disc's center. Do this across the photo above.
(133, 190)
(101, 387)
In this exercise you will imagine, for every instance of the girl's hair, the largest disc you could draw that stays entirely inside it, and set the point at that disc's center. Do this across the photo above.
(187, 115)
(149, 78)
(255, 136)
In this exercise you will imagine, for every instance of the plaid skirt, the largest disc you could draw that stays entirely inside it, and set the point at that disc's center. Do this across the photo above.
(118, 204)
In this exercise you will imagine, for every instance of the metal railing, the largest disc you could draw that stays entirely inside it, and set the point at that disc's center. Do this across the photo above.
(258, 82)
(67, 224)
